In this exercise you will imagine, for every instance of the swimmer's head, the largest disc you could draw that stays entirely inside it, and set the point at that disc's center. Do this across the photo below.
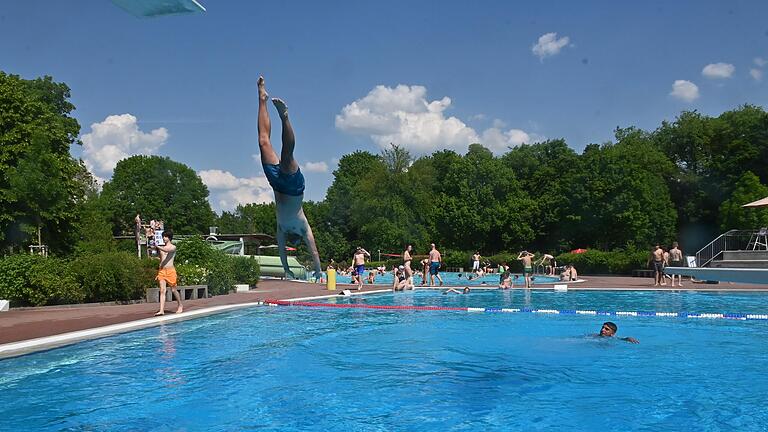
(608, 329)
(466, 290)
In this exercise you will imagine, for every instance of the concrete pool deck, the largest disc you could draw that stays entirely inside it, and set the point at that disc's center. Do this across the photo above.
(22, 325)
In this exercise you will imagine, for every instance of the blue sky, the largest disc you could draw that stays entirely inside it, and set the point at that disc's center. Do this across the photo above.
(356, 75)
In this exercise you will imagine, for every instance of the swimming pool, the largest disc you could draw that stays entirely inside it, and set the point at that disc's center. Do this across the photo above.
(281, 368)
(459, 279)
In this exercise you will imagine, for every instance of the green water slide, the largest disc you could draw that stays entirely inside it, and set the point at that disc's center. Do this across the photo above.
(270, 265)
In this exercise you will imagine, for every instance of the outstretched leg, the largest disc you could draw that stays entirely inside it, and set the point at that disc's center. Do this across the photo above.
(288, 164)
(268, 155)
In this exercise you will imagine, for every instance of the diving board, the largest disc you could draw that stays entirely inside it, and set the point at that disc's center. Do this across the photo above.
(150, 8)
(743, 275)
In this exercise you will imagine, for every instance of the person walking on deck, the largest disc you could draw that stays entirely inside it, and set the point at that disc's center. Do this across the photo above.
(435, 261)
(166, 275)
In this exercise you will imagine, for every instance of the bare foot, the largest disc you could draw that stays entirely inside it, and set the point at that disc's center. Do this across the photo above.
(282, 108)
(160, 313)
(263, 95)
(180, 309)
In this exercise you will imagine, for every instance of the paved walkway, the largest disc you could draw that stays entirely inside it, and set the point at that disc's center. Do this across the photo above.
(29, 323)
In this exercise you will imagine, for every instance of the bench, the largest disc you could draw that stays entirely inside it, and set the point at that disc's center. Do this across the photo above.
(189, 292)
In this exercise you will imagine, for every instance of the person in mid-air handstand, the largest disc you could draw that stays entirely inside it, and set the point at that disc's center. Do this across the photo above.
(286, 180)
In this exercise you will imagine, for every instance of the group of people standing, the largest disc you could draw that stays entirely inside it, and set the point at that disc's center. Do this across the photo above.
(404, 273)
(661, 259)
(430, 269)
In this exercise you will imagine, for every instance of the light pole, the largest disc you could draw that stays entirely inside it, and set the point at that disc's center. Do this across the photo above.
(379, 255)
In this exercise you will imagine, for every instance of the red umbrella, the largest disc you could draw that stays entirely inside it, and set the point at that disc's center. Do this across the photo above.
(578, 251)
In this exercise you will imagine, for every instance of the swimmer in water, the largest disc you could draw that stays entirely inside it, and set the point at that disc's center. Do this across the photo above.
(466, 290)
(609, 329)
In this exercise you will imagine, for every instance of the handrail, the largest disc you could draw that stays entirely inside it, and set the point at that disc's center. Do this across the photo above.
(728, 241)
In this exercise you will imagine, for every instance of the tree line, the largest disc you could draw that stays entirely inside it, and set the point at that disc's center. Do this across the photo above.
(684, 181)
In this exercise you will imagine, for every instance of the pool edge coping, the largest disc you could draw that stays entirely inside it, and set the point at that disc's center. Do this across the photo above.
(30, 346)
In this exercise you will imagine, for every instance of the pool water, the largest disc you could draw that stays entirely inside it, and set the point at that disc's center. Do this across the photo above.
(458, 279)
(293, 368)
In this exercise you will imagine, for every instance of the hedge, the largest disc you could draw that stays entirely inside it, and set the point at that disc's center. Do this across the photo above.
(599, 262)
(33, 280)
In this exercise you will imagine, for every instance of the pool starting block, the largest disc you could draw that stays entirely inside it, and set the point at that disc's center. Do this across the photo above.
(561, 287)
(5, 305)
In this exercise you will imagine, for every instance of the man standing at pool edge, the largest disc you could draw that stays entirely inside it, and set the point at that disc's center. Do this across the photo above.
(527, 258)
(434, 265)
(286, 180)
(166, 275)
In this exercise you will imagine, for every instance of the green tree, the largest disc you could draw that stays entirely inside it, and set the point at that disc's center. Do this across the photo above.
(621, 194)
(249, 218)
(93, 232)
(352, 169)
(546, 171)
(159, 188)
(42, 185)
(734, 216)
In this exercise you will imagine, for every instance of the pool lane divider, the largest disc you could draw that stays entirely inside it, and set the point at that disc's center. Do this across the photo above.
(732, 316)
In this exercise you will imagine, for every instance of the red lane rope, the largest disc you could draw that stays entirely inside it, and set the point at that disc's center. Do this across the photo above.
(361, 306)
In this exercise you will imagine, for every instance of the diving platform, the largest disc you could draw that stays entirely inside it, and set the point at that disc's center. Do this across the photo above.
(743, 275)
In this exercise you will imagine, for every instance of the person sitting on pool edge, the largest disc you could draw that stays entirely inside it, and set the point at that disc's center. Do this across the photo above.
(609, 329)
(400, 280)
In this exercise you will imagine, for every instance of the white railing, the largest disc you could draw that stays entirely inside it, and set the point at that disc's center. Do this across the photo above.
(730, 241)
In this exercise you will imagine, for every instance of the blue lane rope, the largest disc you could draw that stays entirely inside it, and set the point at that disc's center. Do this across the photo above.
(732, 316)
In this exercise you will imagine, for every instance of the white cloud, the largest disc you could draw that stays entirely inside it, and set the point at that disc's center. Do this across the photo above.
(685, 91)
(499, 141)
(718, 70)
(116, 138)
(760, 61)
(227, 190)
(404, 116)
(317, 167)
(549, 45)
(757, 74)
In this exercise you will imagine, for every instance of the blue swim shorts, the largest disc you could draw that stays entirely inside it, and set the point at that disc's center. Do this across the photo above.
(360, 269)
(434, 268)
(289, 184)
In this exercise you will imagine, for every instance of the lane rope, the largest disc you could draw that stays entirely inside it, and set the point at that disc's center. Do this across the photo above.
(732, 316)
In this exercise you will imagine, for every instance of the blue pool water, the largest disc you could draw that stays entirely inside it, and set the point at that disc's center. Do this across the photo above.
(292, 368)
(453, 279)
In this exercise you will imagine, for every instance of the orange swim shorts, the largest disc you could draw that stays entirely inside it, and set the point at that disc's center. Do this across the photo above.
(167, 274)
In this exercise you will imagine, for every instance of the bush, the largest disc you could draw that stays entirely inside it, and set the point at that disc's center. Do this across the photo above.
(599, 262)
(195, 250)
(192, 274)
(33, 280)
(217, 266)
(111, 276)
(221, 271)
(246, 270)
(458, 259)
